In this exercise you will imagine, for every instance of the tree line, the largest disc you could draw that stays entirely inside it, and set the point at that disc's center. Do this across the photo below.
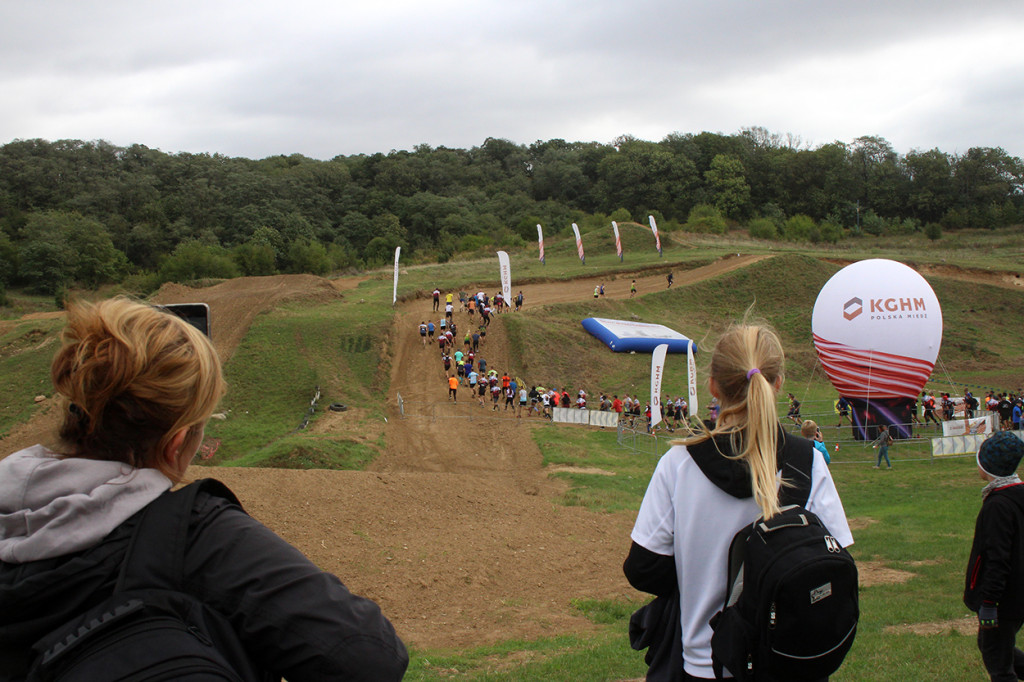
(85, 213)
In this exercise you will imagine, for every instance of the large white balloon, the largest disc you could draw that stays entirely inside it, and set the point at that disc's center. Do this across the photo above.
(877, 328)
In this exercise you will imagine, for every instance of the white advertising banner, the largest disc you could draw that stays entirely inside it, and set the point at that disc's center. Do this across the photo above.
(877, 327)
(540, 243)
(506, 276)
(978, 426)
(657, 372)
(618, 241)
(394, 293)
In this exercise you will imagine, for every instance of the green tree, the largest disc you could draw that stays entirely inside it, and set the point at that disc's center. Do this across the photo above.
(728, 186)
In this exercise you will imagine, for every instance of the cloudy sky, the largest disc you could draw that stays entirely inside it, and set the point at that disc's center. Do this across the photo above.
(256, 78)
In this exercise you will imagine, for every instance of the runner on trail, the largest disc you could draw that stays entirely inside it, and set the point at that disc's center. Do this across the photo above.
(483, 333)
(597, 290)
(442, 341)
(462, 301)
(447, 360)
(448, 298)
(523, 397)
(843, 410)
(602, 288)
(453, 386)
(928, 400)
(423, 333)
(471, 307)
(449, 309)
(510, 397)
(472, 377)
(794, 410)
(430, 330)
(476, 341)
(482, 364)
(485, 315)
(671, 279)
(468, 341)
(519, 300)
(437, 298)
(481, 390)
(495, 396)
(632, 289)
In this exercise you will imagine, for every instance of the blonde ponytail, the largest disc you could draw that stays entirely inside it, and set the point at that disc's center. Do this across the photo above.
(747, 369)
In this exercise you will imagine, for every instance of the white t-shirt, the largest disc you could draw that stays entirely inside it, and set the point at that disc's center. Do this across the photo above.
(687, 516)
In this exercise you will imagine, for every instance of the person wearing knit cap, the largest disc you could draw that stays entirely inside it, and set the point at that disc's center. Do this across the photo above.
(994, 585)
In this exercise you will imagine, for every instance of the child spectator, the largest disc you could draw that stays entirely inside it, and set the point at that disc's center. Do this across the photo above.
(809, 430)
(994, 584)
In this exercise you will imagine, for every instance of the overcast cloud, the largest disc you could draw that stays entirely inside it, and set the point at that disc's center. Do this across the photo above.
(323, 78)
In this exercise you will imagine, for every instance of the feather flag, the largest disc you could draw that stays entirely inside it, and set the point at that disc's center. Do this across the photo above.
(657, 371)
(654, 229)
(579, 243)
(540, 243)
(506, 276)
(394, 294)
(691, 376)
(618, 242)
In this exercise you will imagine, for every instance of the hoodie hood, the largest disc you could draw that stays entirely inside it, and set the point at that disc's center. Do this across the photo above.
(51, 505)
(732, 476)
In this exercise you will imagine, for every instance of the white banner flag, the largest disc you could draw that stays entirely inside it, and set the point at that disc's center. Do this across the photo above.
(506, 276)
(654, 229)
(657, 370)
(618, 242)
(394, 294)
(540, 243)
(579, 243)
(691, 375)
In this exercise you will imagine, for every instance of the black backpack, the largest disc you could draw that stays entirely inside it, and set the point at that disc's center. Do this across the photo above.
(149, 629)
(791, 606)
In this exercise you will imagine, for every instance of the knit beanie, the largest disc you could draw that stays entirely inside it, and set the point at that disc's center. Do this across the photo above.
(1000, 454)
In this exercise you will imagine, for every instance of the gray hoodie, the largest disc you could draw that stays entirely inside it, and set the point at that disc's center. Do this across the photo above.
(52, 505)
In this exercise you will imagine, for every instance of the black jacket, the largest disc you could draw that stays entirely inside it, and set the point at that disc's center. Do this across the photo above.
(995, 570)
(293, 619)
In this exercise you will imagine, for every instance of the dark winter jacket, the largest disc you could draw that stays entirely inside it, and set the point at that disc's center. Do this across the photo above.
(293, 619)
(995, 571)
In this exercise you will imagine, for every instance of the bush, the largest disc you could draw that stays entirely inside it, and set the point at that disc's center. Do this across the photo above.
(705, 218)
(933, 231)
(762, 228)
(141, 283)
(831, 232)
(193, 260)
(799, 228)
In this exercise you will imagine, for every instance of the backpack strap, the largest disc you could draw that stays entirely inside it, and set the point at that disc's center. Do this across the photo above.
(156, 552)
(796, 458)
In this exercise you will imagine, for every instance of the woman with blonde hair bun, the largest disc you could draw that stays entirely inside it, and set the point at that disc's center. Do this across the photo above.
(138, 386)
(708, 486)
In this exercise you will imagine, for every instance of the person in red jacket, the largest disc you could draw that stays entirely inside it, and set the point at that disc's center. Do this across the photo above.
(994, 585)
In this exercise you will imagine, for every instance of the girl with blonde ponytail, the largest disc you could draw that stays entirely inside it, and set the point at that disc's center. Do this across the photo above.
(708, 486)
